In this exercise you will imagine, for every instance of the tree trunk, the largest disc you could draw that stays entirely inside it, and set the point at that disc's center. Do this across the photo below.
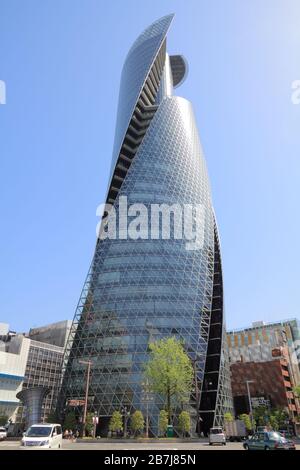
(169, 405)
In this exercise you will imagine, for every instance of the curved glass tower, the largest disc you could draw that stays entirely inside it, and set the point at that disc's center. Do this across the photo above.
(143, 289)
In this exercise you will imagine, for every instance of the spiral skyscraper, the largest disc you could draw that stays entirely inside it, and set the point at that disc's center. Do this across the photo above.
(140, 290)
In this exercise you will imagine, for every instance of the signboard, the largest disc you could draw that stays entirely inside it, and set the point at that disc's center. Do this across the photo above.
(76, 402)
(95, 419)
(260, 401)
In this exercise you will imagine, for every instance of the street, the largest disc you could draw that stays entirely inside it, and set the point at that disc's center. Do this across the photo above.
(164, 446)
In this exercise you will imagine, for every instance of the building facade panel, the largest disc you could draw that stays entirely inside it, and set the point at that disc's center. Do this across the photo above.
(44, 369)
(269, 380)
(12, 373)
(257, 344)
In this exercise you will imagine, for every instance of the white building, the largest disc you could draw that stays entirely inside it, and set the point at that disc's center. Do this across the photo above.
(28, 361)
(13, 360)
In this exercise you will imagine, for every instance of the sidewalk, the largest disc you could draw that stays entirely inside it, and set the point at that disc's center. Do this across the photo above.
(141, 440)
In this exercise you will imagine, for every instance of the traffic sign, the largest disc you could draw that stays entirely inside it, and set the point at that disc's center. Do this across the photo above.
(76, 402)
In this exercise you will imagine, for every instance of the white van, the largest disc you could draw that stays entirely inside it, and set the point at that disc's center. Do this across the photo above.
(3, 434)
(43, 436)
(217, 436)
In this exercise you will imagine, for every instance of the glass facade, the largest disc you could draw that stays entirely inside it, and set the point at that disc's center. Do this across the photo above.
(43, 369)
(141, 290)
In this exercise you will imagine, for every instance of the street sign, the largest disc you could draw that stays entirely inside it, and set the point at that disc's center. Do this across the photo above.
(76, 402)
(260, 401)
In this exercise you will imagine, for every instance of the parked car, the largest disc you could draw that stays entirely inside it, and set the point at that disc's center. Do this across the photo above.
(43, 436)
(217, 436)
(3, 434)
(263, 429)
(268, 441)
(286, 433)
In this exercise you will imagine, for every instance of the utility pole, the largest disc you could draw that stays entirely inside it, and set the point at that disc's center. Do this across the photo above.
(87, 385)
(146, 398)
(95, 422)
(250, 404)
(126, 414)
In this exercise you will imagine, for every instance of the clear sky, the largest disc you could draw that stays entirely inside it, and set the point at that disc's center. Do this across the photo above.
(61, 62)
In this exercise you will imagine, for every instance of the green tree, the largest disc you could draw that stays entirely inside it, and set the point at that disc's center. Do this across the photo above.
(261, 415)
(70, 421)
(116, 422)
(137, 422)
(3, 420)
(273, 422)
(184, 423)
(52, 418)
(297, 391)
(278, 418)
(246, 420)
(169, 372)
(163, 421)
(89, 425)
(228, 417)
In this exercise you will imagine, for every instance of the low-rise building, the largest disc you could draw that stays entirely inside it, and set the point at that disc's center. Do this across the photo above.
(267, 356)
(257, 342)
(13, 360)
(44, 368)
(269, 384)
(29, 361)
(55, 333)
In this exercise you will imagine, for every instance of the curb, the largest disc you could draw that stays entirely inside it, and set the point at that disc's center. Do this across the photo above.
(138, 441)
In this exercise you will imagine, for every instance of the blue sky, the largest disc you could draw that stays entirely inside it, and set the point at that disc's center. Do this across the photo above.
(61, 62)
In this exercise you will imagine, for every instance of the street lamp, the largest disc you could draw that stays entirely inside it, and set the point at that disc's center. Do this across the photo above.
(88, 364)
(250, 404)
(95, 422)
(146, 398)
(126, 416)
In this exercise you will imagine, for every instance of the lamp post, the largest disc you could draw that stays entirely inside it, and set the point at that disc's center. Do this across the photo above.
(95, 422)
(88, 364)
(146, 398)
(250, 404)
(126, 415)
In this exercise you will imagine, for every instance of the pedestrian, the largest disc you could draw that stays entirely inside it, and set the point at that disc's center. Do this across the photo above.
(66, 434)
